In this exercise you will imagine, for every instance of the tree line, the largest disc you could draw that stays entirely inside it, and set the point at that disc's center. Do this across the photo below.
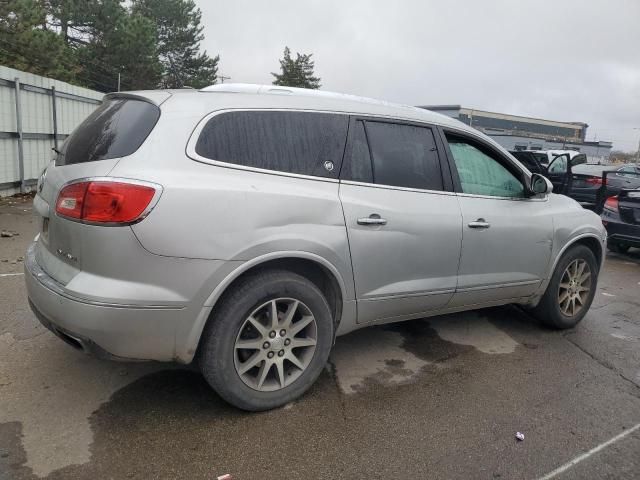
(150, 43)
(144, 44)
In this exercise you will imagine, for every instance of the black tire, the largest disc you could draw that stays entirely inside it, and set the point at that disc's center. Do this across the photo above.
(617, 247)
(548, 310)
(219, 337)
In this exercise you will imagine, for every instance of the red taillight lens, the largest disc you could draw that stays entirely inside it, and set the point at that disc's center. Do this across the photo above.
(104, 202)
(595, 181)
(71, 200)
(612, 203)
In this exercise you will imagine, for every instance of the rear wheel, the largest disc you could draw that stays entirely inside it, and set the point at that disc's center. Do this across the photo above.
(571, 289)
(268, 340)
(617, 247)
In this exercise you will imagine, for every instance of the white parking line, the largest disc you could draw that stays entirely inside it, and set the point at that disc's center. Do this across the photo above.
(10, 274)
(586, 455)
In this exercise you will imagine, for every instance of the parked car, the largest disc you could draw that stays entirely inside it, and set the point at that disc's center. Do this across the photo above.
(556, 165)
(248, 226)
(621, 217)
(588, 182)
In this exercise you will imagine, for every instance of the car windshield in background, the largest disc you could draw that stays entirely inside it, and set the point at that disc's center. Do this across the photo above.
(115, 129)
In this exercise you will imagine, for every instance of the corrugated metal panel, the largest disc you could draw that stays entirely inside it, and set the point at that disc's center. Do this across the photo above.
(37, 117)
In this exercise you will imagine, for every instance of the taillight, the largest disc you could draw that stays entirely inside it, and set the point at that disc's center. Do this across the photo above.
(104, 201)
(612, 203)
(595, 181)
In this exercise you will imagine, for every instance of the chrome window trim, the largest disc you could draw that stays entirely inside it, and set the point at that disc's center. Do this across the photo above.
(394, 187)
(193, 139)
(190, 149)
(158, 188)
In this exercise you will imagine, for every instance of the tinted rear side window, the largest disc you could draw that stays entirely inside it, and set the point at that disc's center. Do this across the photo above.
(306, 143)
(404, 156)
(115, 129)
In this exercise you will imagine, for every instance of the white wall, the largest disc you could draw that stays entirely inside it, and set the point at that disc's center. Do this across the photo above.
(73, 104)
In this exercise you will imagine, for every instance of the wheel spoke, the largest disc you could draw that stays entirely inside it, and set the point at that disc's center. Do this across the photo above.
(264, 371)
(258, 326)
(293, 359)
(579, 299)
(280, 368)
(581, 266)
(303, 342)
(584, 277)
(563, 297)
(249, 364)
(291, 311)
(274, 314)
(564, 285)
(249, 344)
(301, 324)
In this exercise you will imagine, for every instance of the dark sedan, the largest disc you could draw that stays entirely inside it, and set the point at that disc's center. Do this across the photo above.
(588, 181)
(621, 218)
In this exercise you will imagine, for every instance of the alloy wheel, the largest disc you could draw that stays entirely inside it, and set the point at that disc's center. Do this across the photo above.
(275, 344)
(574, 288)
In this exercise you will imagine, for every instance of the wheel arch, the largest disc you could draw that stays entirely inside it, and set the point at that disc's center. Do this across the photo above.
(309, 265)
(589, 240)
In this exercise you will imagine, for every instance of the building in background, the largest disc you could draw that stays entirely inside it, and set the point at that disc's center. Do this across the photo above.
(525, 133)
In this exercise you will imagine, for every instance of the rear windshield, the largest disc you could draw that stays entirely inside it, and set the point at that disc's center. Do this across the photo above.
(115, 129)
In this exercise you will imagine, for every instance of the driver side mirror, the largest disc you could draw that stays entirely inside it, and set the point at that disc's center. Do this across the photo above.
(540, 184)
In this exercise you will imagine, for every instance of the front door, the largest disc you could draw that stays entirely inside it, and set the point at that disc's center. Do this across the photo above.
(506, 234)
(404, 229)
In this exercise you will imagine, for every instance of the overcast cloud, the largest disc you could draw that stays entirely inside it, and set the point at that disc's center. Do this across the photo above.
(561, 60)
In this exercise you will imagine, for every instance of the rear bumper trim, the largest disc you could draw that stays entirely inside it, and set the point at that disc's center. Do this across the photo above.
(46, 281)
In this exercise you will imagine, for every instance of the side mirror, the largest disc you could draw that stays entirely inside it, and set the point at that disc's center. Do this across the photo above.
(540, 184)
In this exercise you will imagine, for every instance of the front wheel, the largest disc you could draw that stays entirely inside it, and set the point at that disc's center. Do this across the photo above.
(268, 340)
(570, 290)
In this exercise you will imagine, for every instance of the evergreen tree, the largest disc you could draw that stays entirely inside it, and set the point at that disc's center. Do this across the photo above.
(296, 73)
(178, 37)
(26, 44)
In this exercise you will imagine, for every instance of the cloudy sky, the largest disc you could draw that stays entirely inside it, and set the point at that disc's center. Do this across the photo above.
(556, 59)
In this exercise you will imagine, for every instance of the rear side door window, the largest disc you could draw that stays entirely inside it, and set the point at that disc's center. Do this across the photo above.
(306, 143)
(394, 154)
(481, 173)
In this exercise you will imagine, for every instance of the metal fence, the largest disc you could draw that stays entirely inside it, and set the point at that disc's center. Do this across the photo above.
(36, 114)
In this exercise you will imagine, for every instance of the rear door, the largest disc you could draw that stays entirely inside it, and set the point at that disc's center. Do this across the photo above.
(403, 222)
(506, 235)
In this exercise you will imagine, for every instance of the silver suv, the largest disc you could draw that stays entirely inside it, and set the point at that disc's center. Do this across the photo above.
(248, 226)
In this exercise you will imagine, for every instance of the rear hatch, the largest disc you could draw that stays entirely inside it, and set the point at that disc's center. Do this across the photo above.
(629, 206)
(117, 128)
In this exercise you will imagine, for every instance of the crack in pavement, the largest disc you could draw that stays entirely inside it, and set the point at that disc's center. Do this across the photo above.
(603, 363)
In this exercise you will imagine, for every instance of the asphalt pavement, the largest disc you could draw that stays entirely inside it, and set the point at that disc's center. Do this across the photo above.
(440, 398)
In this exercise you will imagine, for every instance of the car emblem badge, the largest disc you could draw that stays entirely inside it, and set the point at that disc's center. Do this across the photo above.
(328, 166)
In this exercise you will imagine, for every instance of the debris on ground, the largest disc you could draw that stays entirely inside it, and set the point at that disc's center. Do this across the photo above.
(520, 436)
(226, 476)
(8, 234)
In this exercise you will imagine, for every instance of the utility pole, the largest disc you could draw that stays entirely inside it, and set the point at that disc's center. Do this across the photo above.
(223, 78)
(119, 70)
(638, 151)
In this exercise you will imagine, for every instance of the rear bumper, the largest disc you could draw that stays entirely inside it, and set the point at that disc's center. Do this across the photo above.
(131, 332)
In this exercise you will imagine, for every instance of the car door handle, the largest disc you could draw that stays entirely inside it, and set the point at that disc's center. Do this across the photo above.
(373, 219)
(479, 223)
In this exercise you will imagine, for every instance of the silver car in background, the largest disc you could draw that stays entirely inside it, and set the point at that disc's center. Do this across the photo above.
(248, 226)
